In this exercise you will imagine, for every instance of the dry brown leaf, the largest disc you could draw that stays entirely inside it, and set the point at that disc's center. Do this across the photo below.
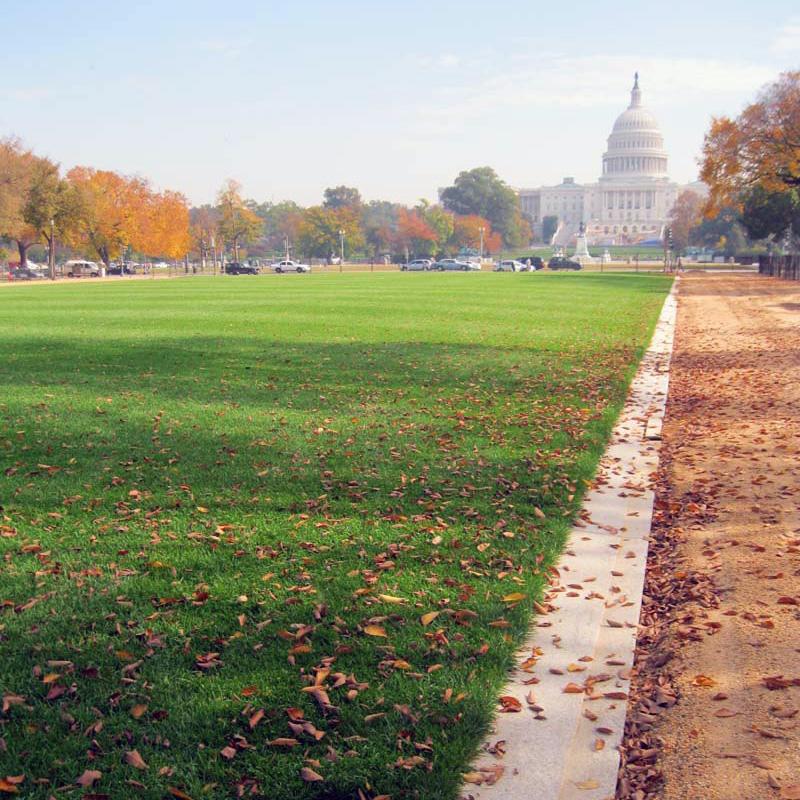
(138, 710)
(133, 758)
(309, 776)
(426, 619)
(89, 777)
(375, 630)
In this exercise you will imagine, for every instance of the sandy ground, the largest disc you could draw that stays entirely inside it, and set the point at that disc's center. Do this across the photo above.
(722, 613)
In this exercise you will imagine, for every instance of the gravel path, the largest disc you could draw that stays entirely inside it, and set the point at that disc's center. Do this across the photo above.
(715, 701)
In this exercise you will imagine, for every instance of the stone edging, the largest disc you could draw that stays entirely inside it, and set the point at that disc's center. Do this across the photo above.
(563, 745)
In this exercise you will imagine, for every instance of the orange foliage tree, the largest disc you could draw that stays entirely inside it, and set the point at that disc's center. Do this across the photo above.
(467, 234)
(414, 234)
(761, 147)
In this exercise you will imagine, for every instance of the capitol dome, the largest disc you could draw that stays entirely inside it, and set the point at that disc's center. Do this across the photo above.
(635, 146)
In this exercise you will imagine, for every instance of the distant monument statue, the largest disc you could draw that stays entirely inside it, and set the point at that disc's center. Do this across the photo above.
(582, 255)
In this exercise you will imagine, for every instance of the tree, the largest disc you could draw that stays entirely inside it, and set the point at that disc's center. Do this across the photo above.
(342, 197)
(167, 231)
(53, 205)
(415, 235)
(439, 220)
(281, 223)
(18, 169)
(238, 224)
(768, 214)
(467, 234)
(684, 217)
(722, 232)
(479, 191)
(113, 212)
(204, 230)
(379, 223)
(318, 234)
(761, 147)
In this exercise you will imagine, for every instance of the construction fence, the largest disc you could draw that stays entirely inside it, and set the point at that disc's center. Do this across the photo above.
(780, 266)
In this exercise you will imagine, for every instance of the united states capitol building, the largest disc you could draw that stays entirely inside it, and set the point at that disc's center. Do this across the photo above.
(631, 201)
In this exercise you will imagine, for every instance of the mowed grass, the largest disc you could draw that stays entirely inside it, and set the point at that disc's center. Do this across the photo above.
(253, 527)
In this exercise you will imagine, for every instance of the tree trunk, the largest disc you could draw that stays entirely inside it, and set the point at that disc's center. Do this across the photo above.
(22, 247)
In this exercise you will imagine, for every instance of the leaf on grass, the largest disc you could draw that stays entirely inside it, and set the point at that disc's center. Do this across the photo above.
(89, 777)
(426, 619)
(388, 598)
(7, 787)
(309, 776)
(228, 752)
(133, 758)
(283, 741)
(178, 793)
(375, 630)
(138, 710)
(514, 597)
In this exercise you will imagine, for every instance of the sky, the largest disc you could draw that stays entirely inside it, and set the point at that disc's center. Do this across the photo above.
(392, 97)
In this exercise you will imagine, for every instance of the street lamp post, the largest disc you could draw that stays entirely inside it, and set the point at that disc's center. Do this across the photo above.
(286, 245)
(482, 230)
(51, 260)
(341, 249)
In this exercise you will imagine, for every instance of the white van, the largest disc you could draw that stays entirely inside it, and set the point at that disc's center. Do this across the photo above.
(81, 269)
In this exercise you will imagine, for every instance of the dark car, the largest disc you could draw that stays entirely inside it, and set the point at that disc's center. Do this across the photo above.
(119, 269)
(536, 262)
(24, 274)
(562, 263)
(235, 268)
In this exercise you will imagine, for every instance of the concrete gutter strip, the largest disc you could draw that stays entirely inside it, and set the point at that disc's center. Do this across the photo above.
(566, 746)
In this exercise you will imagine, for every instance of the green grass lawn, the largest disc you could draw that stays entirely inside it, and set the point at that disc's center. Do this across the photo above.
(256, 526)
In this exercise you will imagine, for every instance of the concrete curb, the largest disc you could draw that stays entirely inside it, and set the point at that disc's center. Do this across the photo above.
(565, 747)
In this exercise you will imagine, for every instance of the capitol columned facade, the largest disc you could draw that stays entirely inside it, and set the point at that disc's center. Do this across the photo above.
(631, 201)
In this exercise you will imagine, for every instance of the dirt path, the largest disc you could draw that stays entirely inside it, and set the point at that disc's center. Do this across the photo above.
(721, 611)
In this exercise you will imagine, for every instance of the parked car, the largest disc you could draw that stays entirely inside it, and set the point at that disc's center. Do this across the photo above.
(78, 268)
(290, 266)
(120, 269)
(455, 265)
(537, 262)
(417, 265)
(559, 262)
(235, 268)
(510, 265)
(24, 274)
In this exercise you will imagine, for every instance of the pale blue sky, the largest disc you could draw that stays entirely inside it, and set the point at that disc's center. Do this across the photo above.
(392, 97)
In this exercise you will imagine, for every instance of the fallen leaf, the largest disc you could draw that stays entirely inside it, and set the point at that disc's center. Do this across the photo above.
(509, 704)
(375, 630)
(514, 597)
(426, 619)
(138, 710)
(309, 776)
(590, 784)
(89, 777)
(133, 758)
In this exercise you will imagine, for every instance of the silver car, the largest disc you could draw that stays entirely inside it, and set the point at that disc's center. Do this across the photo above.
(290, 266)
(510, 265)
(455, 265)
(417, 265)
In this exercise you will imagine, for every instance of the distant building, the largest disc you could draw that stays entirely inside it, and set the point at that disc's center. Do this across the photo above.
(631, 201)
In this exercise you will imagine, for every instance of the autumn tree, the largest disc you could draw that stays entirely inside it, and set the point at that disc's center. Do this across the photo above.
(167, 229)
(761, 147)
(686, 214)
(18, 170)
(318, 233)
(467, 234)
(114, 212)
(238, 224)
(281, 223)
(415, 235)
(439, 220)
